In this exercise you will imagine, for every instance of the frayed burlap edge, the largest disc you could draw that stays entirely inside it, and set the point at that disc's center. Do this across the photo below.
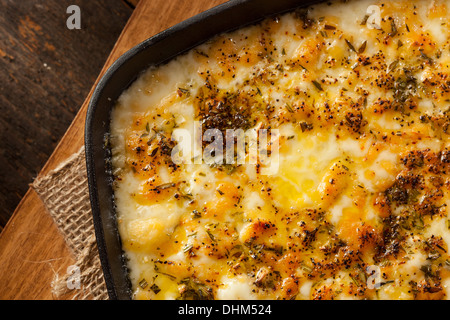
(65, 194)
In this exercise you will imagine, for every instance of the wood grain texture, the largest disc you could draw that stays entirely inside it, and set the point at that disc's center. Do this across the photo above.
(30, 239)
(47, 71)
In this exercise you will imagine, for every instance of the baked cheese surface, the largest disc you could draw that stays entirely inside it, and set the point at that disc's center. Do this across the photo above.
(354, 97)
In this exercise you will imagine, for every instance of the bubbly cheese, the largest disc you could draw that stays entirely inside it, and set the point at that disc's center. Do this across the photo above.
(305, 157)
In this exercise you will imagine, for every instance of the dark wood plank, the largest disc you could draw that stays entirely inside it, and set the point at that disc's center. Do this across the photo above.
(47, 71)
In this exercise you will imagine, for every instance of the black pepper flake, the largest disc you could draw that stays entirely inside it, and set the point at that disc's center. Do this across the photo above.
(155, 288)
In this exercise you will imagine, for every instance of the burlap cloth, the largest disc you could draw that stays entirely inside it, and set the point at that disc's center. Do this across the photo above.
(65, 194)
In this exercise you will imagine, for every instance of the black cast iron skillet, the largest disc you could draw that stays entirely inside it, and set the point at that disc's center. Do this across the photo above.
(152, 52)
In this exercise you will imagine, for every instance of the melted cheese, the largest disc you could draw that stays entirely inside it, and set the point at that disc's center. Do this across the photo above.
(358, 188)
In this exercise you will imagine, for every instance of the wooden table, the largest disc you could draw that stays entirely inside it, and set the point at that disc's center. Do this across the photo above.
(31, 247)
(46, 72)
